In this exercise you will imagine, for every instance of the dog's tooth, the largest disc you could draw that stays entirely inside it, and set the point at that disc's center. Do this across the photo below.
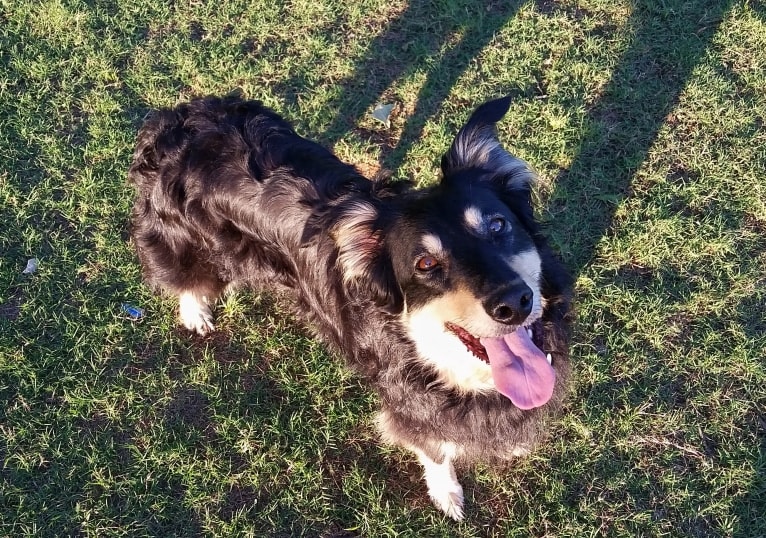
(550, 359)
(529, 332)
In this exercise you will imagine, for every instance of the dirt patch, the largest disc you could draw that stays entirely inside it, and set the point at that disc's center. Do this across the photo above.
(239, 498)
(11, 308)
(189, 409)
(635, 276)
(682, 176)
(554, 7)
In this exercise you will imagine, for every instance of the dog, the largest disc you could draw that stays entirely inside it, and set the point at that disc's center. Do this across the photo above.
(446, 300)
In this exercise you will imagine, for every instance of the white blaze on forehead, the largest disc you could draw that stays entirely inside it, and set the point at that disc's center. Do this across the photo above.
(473, 218)
(433, 244)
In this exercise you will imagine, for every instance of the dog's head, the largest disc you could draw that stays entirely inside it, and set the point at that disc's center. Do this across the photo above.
(460, 263)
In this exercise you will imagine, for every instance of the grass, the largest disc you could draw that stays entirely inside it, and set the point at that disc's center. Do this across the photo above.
(645, 120)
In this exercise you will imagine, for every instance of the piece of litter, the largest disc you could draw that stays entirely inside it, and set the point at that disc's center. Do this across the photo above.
(382, 113)
(32, 265)
(133, 311)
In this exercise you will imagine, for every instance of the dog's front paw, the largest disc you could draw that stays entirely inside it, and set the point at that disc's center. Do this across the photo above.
(202, 323)
(195, 314)
(449, 500)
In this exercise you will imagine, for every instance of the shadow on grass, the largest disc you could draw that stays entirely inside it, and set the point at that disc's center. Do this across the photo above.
(669, 40)
(64, 492)
(449, 36)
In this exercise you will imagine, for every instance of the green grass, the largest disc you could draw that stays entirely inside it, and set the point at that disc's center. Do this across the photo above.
(645, 120)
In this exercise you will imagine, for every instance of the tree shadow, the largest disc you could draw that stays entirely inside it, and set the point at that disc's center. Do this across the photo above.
(450, 36)
(669, 40)
(623, 125)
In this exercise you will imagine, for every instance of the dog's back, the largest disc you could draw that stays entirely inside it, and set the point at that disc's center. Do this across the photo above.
(225, 187)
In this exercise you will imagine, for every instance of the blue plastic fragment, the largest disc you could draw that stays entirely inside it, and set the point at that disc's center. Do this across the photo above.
(133, 311)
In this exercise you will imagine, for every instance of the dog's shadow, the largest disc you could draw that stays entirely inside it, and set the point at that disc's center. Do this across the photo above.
(259, 390)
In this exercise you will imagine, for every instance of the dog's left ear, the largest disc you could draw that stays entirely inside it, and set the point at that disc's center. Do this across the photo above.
(476, 147)
(364, 266)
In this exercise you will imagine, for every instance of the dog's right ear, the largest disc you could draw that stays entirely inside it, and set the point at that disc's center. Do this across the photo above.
(476, 147)
(363, 263)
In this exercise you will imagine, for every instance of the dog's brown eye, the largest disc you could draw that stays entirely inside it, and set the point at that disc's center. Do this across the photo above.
(427, 263)
(497, 225)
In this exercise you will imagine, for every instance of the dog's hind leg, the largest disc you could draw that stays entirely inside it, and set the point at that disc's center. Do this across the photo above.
(195, 312)
(443, 488)
(197, 294)
(178, 269)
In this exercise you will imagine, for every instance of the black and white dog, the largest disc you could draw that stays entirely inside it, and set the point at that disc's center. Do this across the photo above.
(446, 300)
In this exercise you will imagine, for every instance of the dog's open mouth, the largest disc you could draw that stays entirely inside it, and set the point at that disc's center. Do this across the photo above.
(520, 369)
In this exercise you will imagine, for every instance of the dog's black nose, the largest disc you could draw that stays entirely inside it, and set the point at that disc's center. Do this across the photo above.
(512, 305)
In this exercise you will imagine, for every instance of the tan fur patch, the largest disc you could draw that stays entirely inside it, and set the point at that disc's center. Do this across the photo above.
(457, 366)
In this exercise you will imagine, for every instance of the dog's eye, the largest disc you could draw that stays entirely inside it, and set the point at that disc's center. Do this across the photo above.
(497, 225)
(427, 263)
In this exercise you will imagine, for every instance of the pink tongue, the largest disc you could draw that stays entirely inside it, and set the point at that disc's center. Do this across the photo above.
(520, 370)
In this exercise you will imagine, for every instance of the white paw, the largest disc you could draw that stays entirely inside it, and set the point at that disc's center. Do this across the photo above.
(521, 451)
(195, 314)
(449, 501)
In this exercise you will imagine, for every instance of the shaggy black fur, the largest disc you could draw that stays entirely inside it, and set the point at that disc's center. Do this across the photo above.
(229, 195)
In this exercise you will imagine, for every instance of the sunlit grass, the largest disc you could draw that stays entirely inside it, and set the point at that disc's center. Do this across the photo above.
(645, 122)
